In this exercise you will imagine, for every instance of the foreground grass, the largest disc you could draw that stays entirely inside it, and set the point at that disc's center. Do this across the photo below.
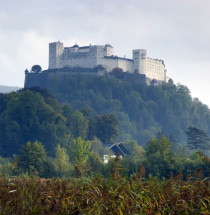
(104, 196)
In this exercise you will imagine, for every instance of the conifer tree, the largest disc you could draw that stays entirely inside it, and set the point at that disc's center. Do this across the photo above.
(197, 139)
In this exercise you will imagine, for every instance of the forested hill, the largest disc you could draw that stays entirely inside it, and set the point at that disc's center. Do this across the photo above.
(143, 111)
(33, 115)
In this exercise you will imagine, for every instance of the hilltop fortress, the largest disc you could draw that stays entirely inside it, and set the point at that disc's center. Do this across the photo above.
(96, 60)
(94, 55)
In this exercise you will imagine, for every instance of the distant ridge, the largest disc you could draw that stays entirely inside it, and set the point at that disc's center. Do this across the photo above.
(8, 89)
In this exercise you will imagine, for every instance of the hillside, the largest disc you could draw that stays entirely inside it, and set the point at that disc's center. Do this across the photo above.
(36, 116)
(7, 89)
(39, 135)
(143, 111)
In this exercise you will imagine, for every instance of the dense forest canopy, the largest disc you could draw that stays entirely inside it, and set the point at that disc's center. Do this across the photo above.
(35, 116)
(143, 111)
(43, 137)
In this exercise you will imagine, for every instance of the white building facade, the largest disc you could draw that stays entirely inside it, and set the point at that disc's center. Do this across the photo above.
(95, 55)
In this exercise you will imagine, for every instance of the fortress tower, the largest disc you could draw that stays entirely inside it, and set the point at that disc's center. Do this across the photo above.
(140, 61)
(55, 52)
(108, 50)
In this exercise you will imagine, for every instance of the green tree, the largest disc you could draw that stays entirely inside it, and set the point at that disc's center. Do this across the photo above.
(32, 157)
(159, 157)
(6, 167)
(79, 125)
(28, 116)
(76, 121)
(117, 72)
(36, 68)
(137, 152)
(105, 127)
(95, 163)
(79, 151)
(197, 139)
(50, 168)
(132, 162)
(62, 164)
(97, 146)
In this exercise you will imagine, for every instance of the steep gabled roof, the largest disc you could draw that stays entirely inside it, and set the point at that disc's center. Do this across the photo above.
(119, 148)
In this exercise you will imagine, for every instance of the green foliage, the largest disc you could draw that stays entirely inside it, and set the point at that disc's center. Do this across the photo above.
(95, 163)
(142, 110)
(28, 116)
(137, 152)
(97, 146)
(105, 127)
(36, 68)
(32, 158)
(49, 167)
(76, 122)
(62, 165)
(132, 161)
(117, 72)
(79, 151)
(197, 139)
(6, 167)
(159, 156)
(33, 115)
(197, 161)
(138, 112)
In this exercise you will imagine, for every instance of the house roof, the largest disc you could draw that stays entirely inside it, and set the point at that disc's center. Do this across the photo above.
(119, 148)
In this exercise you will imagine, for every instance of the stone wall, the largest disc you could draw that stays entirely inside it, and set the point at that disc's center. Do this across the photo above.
(44, 78)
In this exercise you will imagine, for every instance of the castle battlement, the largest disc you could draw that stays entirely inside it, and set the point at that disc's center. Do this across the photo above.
(94, 55)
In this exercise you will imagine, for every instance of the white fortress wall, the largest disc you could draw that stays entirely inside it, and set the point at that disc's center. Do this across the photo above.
(99, 54)
(109, 63)
(126, 65)
(80, 57)
(155, 69)
(165, 76)
(94, 55)
(105, 57)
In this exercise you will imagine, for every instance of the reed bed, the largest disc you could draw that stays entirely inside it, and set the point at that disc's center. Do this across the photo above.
(104, 196)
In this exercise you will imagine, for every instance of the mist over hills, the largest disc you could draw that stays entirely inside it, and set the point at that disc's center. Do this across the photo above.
(143, 111)
(8, 89)
(138, 111)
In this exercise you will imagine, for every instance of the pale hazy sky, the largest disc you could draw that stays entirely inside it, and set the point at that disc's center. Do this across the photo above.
(177, 31)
